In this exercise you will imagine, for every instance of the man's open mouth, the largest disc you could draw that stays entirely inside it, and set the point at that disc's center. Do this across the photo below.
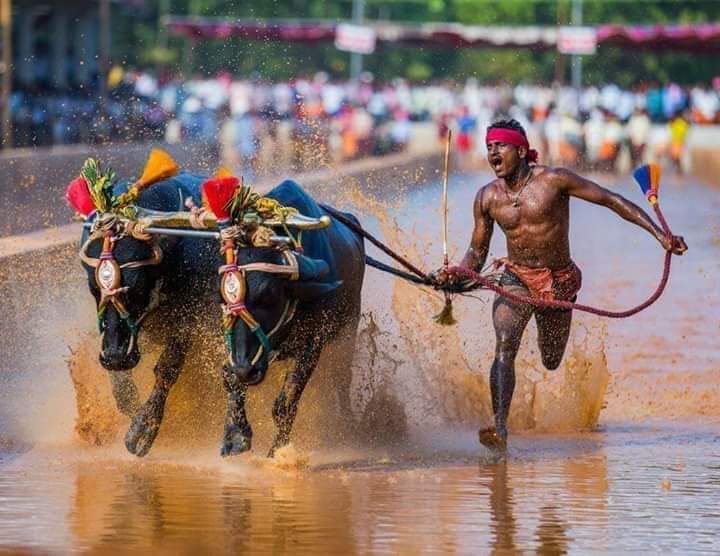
(496, 162)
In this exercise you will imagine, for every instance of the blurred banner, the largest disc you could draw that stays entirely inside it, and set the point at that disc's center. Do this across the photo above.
(355, 38)
(693, 37)
(577, 40)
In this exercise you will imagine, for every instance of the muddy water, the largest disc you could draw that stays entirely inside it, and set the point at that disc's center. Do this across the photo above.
(650, 487)
(617, 450)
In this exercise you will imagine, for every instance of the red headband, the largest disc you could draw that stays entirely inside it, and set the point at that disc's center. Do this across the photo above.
(511, 137)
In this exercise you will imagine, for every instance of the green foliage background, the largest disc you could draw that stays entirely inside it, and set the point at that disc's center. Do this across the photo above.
(138, 40)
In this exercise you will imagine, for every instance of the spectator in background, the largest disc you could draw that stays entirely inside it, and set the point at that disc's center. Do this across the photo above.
(246, 143)
(443, 126)
(612, 139)
(594, 133)
(571, 140)
(229, 157)
(400, 130)
(190, 118)
(466, 126)
(679, 128)
(173, 130)
(705, 105)
(348, 133)
(638, 131)
(363, 125)
(655, 102)
(551, 136)
(466, 130)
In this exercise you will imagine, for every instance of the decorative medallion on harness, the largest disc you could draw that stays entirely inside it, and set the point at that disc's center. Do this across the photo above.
(107, 273)
(232, 286)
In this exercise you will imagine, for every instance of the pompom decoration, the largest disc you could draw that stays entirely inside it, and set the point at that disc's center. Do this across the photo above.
(79, 198)
(648, 178)
(217, 194)
(160, 166)
(223, 172)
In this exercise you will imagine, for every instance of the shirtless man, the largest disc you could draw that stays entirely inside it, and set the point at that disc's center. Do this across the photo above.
(531, 205)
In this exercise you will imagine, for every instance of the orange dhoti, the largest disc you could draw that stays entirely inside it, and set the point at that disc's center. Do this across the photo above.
(544, 283)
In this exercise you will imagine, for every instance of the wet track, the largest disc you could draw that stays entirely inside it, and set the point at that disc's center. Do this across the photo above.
(408, 477)
(651, 487)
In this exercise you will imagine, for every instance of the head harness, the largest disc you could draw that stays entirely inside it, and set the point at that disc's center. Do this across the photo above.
(108, 273)
(233, 288)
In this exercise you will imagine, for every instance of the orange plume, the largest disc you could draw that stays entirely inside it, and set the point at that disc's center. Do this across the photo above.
(655, 173)
(160, 166)
(223, 172)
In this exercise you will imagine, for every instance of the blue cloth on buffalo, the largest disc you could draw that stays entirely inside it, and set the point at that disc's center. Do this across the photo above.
(316, 243)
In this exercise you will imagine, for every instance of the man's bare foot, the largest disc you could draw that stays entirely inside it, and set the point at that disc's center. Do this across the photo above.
(490, 438)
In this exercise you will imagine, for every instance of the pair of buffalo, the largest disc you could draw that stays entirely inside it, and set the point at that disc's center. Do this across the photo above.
(127, 272)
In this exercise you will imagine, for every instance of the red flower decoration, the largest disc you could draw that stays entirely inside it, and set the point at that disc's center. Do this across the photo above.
(78, 196)
(217, 193)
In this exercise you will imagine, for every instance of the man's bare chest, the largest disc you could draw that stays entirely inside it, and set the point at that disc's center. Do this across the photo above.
(532, 208)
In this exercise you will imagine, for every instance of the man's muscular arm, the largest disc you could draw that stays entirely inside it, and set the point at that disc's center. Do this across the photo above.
(577, 186)
(476, 254)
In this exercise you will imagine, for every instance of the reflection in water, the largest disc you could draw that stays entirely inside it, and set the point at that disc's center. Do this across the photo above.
(552, 495)
(178, 507)
(384, 505)
(584, 486)
(551, 532)
(237, 513)
(501, 504)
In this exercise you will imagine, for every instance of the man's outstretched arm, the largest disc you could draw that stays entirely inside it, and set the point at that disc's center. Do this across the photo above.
(577, 186)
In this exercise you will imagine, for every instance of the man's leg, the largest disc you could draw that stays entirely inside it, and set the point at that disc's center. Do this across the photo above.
(509, 320)
(553, 333)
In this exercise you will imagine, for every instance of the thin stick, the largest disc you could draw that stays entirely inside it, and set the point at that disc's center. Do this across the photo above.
(445, 198)
(445, 317)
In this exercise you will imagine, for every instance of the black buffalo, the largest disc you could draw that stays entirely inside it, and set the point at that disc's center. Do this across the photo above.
(327, 296)
(185, 276)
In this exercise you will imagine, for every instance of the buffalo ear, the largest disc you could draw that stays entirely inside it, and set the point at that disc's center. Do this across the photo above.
(309, 291)
(311, 269)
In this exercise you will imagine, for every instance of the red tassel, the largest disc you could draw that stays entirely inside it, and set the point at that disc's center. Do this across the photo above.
(78, 196)
(217, 193)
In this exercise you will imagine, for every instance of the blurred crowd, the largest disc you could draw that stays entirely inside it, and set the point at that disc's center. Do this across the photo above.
(255, 123)
(252, 122)
(591, 128)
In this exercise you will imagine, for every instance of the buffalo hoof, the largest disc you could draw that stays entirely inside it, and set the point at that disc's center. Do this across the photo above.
(142, 432)
(279, 442)
(236, 442)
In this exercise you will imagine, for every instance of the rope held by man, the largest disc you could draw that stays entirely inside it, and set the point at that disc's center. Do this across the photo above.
(484, 282)
(558, 304)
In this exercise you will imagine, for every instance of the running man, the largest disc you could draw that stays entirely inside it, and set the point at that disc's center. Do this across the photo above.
(531, 205)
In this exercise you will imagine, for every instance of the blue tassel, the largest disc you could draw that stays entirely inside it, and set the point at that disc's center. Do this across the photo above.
(642, 177)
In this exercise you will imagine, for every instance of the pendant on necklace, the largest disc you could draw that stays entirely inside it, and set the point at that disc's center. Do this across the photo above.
(516, 203)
